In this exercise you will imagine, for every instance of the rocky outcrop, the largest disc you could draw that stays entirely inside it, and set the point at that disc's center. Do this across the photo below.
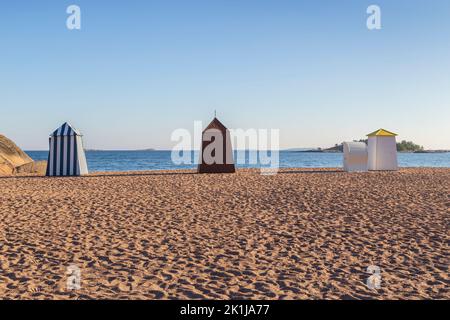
(13, 160)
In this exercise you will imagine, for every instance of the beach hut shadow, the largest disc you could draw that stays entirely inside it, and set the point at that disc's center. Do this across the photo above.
(100, 175)
(311, 171)
(143, 174)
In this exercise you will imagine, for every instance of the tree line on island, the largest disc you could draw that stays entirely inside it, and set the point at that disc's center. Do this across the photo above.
(403, 146)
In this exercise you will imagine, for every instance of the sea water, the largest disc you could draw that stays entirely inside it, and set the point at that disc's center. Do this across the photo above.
(161, 160)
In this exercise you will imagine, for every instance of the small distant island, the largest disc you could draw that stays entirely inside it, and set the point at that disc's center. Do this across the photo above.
(403, 146)
(137, 150)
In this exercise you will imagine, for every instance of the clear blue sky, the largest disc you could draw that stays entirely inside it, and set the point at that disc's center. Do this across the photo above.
(140, 69)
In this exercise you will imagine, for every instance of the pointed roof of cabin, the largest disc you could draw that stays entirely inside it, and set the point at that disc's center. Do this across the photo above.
(216, 124)
(66, 130)
(382, 133)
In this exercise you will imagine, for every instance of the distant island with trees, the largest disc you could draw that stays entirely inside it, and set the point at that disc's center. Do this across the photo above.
(137, 150)
(403, 146)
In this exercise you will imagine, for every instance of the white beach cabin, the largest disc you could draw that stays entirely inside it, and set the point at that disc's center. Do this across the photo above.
(355, 157)
(382, 150)
(66, 156)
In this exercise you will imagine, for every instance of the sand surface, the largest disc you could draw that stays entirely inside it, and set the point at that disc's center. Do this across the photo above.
(301, 234)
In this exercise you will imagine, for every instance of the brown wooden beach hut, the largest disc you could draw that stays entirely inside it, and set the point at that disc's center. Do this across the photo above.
(216, 154)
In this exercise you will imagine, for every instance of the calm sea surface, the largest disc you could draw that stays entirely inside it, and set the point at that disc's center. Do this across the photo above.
(161, 160)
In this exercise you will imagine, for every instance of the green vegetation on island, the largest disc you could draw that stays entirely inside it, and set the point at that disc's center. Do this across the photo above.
(403, 146)
(409, 146)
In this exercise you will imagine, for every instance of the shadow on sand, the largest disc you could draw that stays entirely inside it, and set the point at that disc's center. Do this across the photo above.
(156, 173)
(310, 171)
(100, 175)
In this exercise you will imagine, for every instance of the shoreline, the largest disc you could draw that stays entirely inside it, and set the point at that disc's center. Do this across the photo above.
(238, 169)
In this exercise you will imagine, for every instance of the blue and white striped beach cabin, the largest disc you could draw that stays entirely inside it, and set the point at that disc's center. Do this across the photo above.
(66, 156)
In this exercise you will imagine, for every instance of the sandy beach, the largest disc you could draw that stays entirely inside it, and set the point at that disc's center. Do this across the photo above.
(300, 234)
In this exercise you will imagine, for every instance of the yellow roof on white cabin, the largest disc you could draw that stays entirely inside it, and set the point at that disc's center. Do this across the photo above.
(382, 132)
